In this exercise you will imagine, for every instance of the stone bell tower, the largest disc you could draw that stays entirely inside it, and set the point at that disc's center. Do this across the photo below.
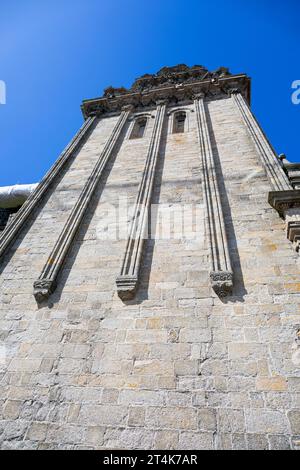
(149, 285)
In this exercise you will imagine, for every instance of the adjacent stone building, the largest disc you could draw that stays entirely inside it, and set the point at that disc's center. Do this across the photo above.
(149, 285)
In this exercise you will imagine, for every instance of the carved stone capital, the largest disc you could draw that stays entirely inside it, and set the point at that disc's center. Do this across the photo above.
(177, 84)
(126, 286)
(222, 282)
(42, 288)
(281, 201)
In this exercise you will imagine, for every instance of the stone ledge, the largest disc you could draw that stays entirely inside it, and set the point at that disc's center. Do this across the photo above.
(284, 200)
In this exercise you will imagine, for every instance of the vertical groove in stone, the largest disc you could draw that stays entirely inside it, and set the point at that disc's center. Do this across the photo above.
(12, 230)
(127, 281)
(221, 274)
(46, 282)
(275, 173)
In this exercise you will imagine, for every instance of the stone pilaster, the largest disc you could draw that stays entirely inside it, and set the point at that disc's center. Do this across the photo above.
(46, 282)
(128, 279)
(221, 274)
(37, 196)
(283, 198)
(271, 164)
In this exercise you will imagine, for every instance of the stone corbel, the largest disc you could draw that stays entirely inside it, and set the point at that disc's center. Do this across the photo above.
(46, 283)
(221, 274)
(287, 204)
(127, 281)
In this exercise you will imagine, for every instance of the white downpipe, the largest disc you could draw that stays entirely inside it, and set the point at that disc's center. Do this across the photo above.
(14, 196)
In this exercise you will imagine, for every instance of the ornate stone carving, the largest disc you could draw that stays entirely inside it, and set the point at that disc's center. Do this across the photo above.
(47, 278)
(177, 84)
(221, 275)
(292, 171)
(126, 286)
(36, 196)
(127, 281)
(42, 289)
(176, 75)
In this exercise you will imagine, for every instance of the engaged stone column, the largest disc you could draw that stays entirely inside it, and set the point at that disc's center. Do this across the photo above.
(37, 195)
(283, 197)
(221, 274)
(128, 279)
(46, 282)
(278, 179)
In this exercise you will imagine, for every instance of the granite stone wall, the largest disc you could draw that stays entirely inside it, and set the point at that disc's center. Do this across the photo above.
(177, 366)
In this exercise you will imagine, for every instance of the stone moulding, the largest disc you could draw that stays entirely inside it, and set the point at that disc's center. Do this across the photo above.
(128, 279)
(11, 231)
(276, 175)
(221, 275)
(292, 171)
(173, 90)
(287, 204)
(126, 286)
(284, 198)
(222, 282)
(46, 283)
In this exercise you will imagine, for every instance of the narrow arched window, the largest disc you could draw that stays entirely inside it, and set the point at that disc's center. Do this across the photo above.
(179, 122)
(138, 128)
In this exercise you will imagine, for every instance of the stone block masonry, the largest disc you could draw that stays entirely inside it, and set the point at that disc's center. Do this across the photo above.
(177, 366)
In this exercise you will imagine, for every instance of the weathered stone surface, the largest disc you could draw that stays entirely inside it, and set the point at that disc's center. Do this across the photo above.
(176, 366)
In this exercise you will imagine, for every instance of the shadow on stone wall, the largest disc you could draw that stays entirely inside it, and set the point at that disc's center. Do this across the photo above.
(239, 290)
(9, 253)
(84, 225)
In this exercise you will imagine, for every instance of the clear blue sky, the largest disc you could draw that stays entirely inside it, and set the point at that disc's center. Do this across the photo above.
(55, 53)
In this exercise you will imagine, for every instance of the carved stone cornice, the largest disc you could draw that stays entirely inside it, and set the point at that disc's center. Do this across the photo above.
(46, 282)
(175, 84)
